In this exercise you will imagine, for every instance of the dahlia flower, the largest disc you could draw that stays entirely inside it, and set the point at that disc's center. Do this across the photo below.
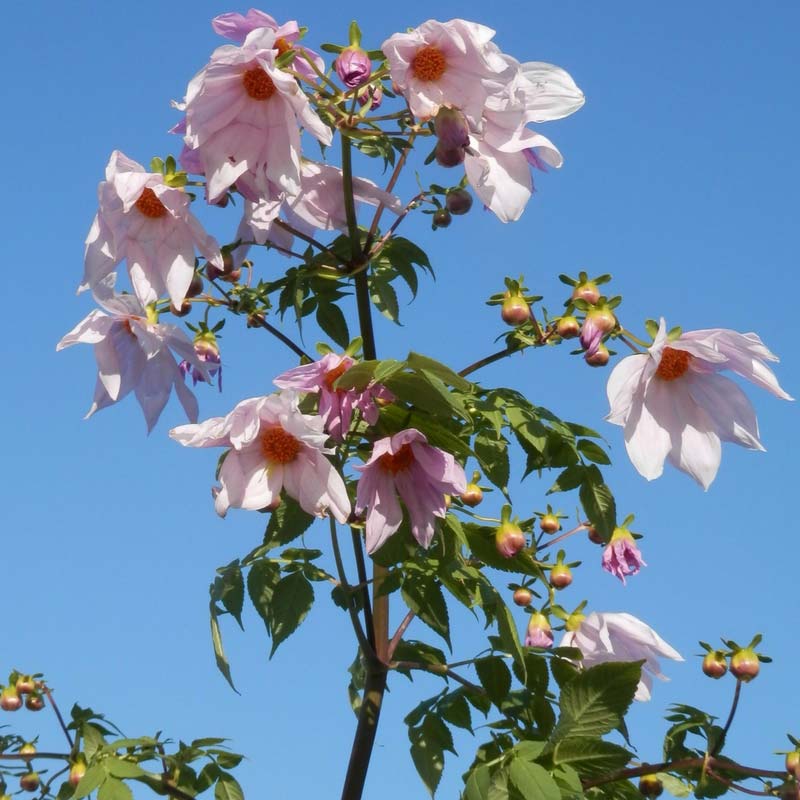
(609, 636)
(148, 224)
(273, 447)
(336, 406)
(243, 116)
(672, 403)
(133, 355)
(406, 465)
(621, 556)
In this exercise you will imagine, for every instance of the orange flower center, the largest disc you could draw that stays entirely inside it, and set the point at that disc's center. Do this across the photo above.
(278, 446)
(674, 363)
(399, 461)
(258, 84)
(428, 63)
(332, 375)
(282, 46)
(149, 205)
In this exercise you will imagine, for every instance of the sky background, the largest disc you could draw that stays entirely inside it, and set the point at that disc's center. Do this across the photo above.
(680, 178)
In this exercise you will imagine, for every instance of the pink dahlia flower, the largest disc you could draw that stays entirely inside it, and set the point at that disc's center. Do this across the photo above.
(148, 224)
(621, 556)
(243, 117)
(446, 64)
(336, 406)
(353, 66)
(236, 27)
(539, 632)
(607, 636)
(406, 465)
(273, 447)
(133, 354)
(673, 403)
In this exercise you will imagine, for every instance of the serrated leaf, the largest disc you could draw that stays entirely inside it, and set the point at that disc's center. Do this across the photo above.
(571, 478)
(532, 780)
(495, 678)
(594, 701)
(291, 602)
(593, 452)
(93, 777)
(477, 784)
(416, 361)
(423, 595)
(598, 502)
(261, 582)
(123, 769)
(384, 298)
(114, 789)
(219, 653)
(228, 788)
(492, 455)
(229, 590)
(287, 522)
(332, 320)
(455, 710)
(591, 757)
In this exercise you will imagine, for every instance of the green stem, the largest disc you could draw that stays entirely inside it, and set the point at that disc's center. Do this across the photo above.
(349, 200)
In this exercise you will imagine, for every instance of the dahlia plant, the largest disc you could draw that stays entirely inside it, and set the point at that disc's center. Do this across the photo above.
(376, 448)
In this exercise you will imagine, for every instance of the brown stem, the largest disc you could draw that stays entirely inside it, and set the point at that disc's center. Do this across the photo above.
(736, 786)
(398, 634)
(29, 757)
(734, 705)
(443, 670)
(46, 690)
(683, 763)
(584, 526)
(368, 717)
(482, 362)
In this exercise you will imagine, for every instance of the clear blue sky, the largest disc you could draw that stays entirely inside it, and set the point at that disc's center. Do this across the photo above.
(680, 178)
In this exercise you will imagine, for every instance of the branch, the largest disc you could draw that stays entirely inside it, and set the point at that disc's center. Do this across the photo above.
(48, 694)
(443, 670)
(398, 634)
(500, 354)
(734, 705)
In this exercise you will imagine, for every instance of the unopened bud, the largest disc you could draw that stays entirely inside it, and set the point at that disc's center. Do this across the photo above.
(650, 786)
(472, 496)
(25, 684)
(353, 66)
(793, 763)
(715, 665)
(522, 597)
(587, 291)
(442, 218)
(539, 633)
(549, 523)
(509, 540)
(568, 327)
(10, 699)
(599, 358)
(77, 770)
(560, 576)
(744, 664)
(451, 129)
(515, 310)
(449, 156)
(458, 201)
(29, 782)
(34, 702)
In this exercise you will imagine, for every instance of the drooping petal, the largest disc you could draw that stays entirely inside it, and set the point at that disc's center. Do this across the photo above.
(648, 430)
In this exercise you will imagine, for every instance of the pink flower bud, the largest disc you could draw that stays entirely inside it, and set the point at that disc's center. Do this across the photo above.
(353, 66)
(451, 127)
(744, 664)
(539, 633)
(509, 540)
(372, 95)
(621, 556)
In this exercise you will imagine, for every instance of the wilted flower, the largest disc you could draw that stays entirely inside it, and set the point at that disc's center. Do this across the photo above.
(539, 632)
(422, 475)
(353, 66)
(446, 64)
(243, 116)
(336, 406)
(672, 403)
(621, 556)
(133, 355)
(609, 636)
(273, 447)
(207, 350)
(148, 224)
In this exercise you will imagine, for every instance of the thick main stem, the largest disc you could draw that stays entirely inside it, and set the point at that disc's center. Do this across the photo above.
(375, 683)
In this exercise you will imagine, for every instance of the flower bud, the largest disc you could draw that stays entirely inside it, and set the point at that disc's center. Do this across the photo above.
(650, 786)
(353, 66)
(77, 770)
(34, 702)
(25, 684)
(196, 286)
(442, 218)
(549, 523)
(560, 576)
(449, 156)
(372, 95)
(568, 327)
(539, 633)
(594, 535)
(715, 665)
(574, 621)
(451, 128)
(509, 540)
(29, 782)
(744, 664)
(599, 358)
(458, 201)
(472, 496)
(515, 310)
(587, 291)
(9, 699)
(184, 310)
(793, 763)
(28, 749)
(522, 597)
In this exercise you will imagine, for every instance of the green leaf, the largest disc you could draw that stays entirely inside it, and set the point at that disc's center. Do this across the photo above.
(428, 743)
(287, 522)
(478, 784)
(532, 780)
(332, 320)
(416, 390)
(563, 671)
(455, 709)
(593, 451)
(228, 788)
(358, 376)
(674, 786)
(594, 702)
(123, 769)
(229, 589)
(93, 777)
(422, 593)
(598, 502)
(493, 457)
(571, 478)
(419, 362)
(291, 602)
(219, 653)
(495, 677)
(114, 789)
(591, 757)
(384, 297)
